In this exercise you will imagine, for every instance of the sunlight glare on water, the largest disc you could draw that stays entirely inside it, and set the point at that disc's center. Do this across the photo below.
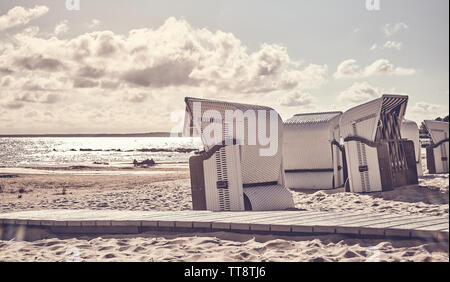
(111, 150)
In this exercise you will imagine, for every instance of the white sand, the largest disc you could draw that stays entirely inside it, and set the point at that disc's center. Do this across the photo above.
(220, 246)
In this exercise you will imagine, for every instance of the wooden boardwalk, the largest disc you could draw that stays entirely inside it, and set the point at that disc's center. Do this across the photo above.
(273, 222)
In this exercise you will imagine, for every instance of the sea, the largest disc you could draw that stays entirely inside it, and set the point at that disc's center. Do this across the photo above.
(66, 151)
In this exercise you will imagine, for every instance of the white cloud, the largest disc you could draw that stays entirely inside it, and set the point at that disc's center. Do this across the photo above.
(424, 110)
(175, 54)
(94, 23)
(21, 16)
(13, 105)
(359, 92)
(350, 69)
(137, 97)
(296, 99)
(388, 45)
(98, 80)
(393, 28)
(61, 28)
(393, 45)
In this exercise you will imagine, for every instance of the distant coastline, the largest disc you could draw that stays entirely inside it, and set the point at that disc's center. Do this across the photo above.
(150, 134)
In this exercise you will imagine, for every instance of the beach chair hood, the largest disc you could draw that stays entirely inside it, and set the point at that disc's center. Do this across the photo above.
(438, 130)
(261, 176)
(377, 156)
(365, 119)
(438, 151)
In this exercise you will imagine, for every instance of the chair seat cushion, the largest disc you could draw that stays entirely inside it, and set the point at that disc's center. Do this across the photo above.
(270, 197)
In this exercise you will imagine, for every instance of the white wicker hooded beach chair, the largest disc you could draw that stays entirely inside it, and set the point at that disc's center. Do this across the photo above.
(377, 157)
(410, 131)
(312, 155)
(232, 174)
(437, 152)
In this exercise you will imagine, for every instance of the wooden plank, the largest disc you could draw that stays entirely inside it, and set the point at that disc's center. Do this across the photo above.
(60, 223)
(327, 224)
(95, 229)
(374, 220)
(239, 222)
(400, 222)
(88, 223)
(259, 227)
(263, 217)
(352, 225)
(217, 221)
(124, 223)
(394, 228)
(168, 220)
(277, 223)
(300, 219)
(284, 224)
(73, 223)
(103, 223)
(441, 236)
(299, 224)
(46, 223)
(33, 222)
(207, 225)
(291, 218)
(436, 232)
(423, 224)
(324, 224)
(21, 222)
(188, 220)
(344, 219)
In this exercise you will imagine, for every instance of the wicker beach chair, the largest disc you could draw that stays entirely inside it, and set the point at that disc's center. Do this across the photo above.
(437, 152)
(312, 154)
(410, 131)
(232, 173)
(377, 157)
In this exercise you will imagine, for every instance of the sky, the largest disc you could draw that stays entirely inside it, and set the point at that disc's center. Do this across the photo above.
(126, 66)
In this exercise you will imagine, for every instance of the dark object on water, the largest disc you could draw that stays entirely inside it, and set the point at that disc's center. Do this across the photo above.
(8, 175)
(100, 163)
(177, 150)
(78, 167)
(147, 162)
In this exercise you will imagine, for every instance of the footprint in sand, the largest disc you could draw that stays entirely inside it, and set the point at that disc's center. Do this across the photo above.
(54, 248)
(83, 246)
(110, 255)
(123, 248)
(350, 254)
(52, 243)
(138, 249)
(105, 248)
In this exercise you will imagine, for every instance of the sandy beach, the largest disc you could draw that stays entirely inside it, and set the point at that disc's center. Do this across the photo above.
(169, 189)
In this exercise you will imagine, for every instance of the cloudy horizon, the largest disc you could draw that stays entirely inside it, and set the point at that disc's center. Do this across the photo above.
(117, 68)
